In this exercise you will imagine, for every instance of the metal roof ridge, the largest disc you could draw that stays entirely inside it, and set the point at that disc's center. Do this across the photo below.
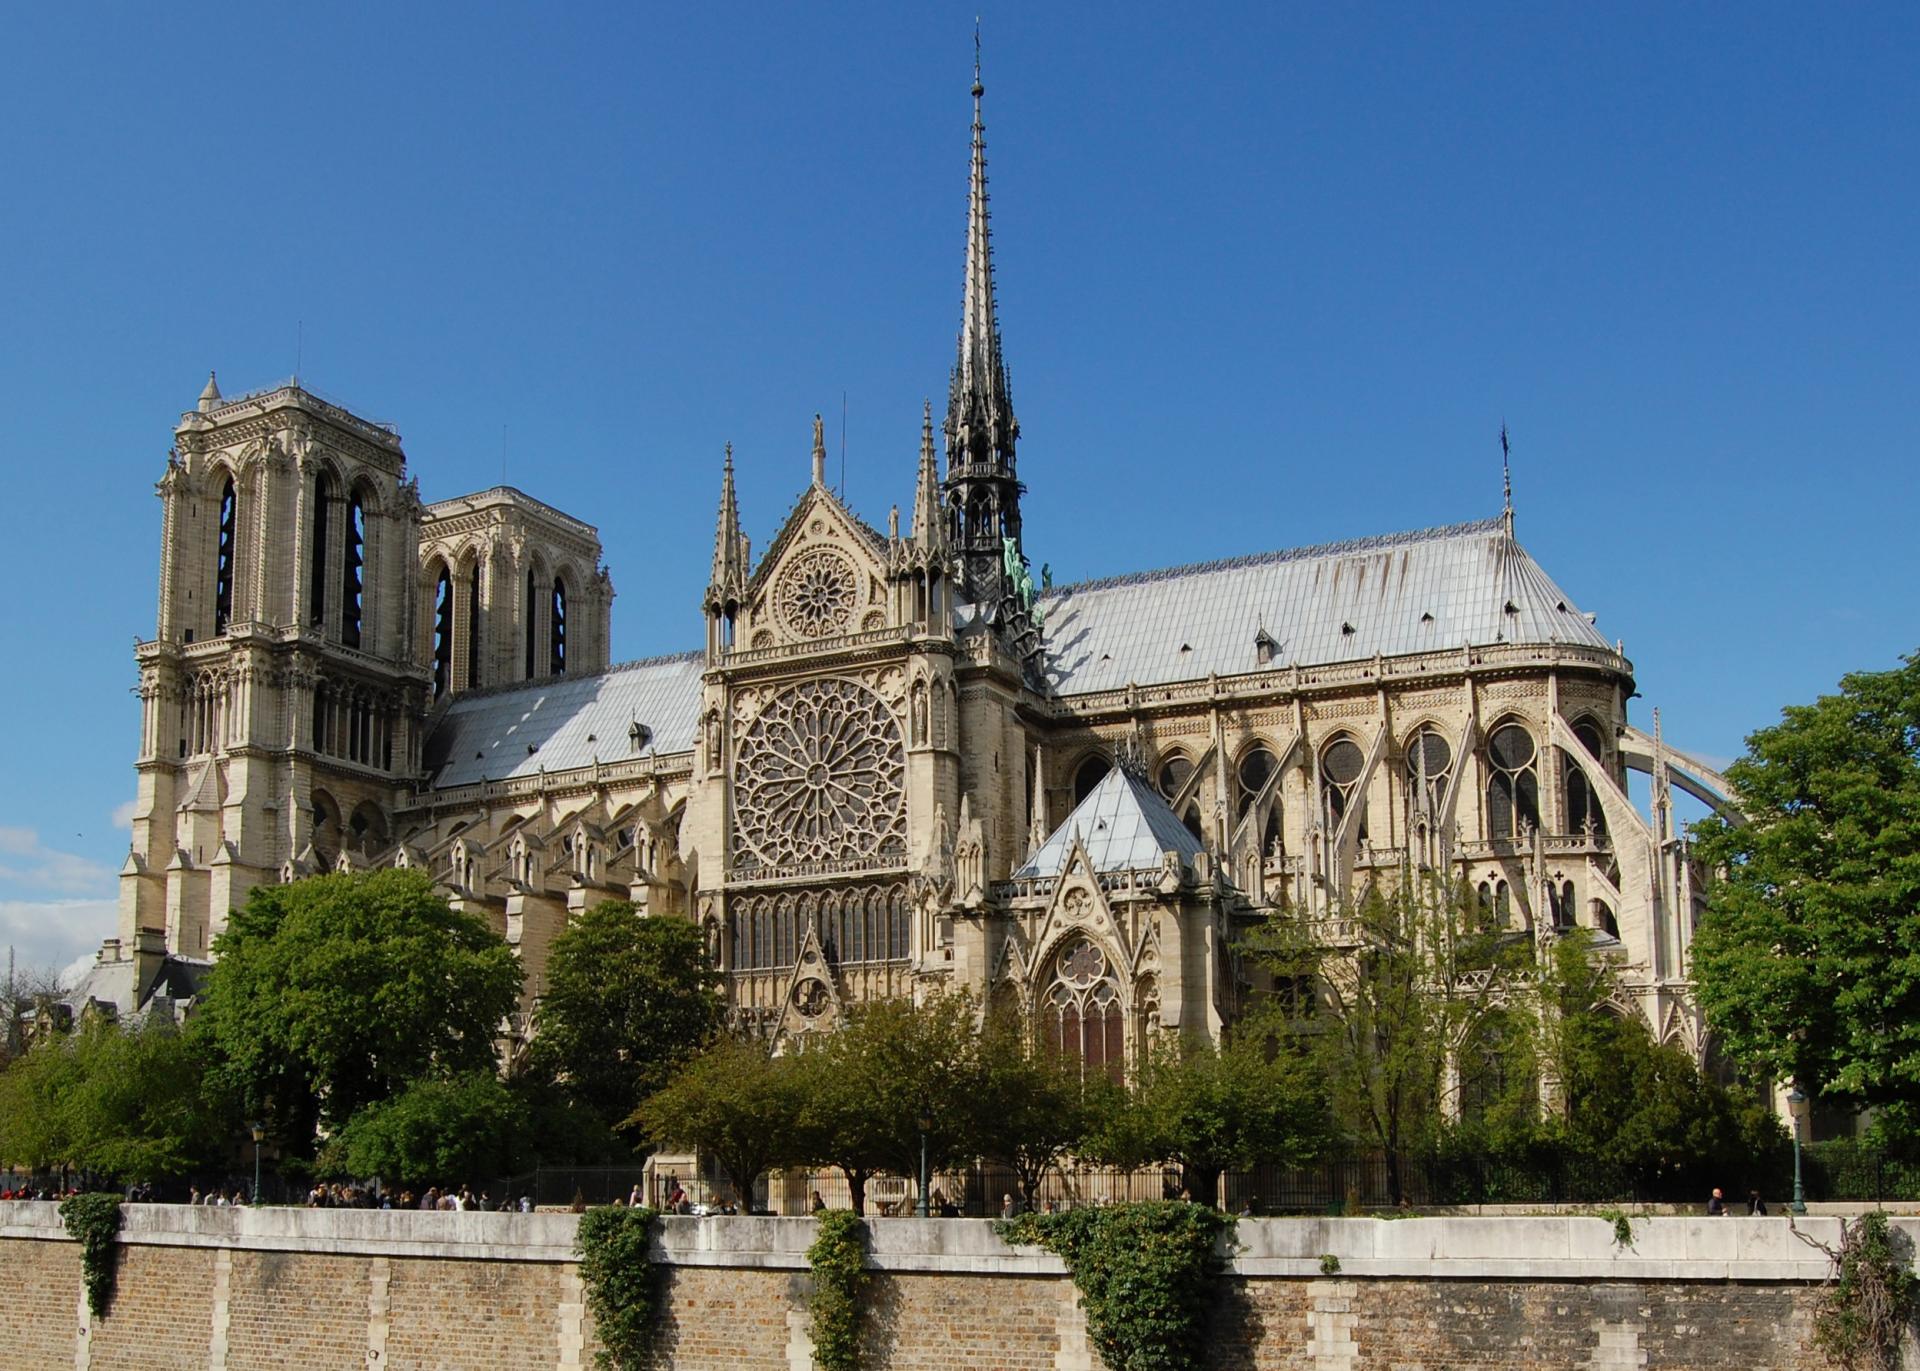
(516, 492)
(548, 682)
(1370, 543)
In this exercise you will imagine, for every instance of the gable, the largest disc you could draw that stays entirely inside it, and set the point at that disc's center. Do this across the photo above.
(823, 577)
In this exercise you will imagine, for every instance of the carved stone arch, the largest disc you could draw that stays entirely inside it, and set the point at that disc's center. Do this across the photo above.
(327, 828)
(1511, 801)
(1088, 769)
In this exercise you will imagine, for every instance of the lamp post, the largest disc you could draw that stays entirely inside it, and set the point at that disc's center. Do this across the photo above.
(925, 1124)
(1797, 1108)
(259, 1131)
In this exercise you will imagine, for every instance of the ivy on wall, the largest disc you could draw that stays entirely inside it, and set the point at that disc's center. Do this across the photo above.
(1144, 1273)
(622, 1282)
(1871, 1301)
(839, 1261)
(93, 1221)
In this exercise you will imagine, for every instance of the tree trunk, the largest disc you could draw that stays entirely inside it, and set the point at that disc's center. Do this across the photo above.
(856, 1190)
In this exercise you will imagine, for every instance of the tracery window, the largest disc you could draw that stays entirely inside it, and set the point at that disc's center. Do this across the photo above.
(1081, 1013)
(352, 581)
(1174, 772)
(1513, 789)
(1429, 767)
(1251, 778)
(820, 779)
(1088, 775)
(1340, 768)
(317, 554)
(224, 566)
(442, 633)
(1583, 805)
(557, 630)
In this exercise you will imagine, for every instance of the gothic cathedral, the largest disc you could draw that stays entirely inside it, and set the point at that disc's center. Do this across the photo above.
(896, 764)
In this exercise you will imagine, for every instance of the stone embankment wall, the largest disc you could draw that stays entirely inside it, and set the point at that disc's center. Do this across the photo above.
(227, 1289)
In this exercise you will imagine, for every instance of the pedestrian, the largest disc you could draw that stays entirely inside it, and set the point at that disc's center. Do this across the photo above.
(1716, 1204)
(1755, 1205)
(1007, 1207)
(818, 1203)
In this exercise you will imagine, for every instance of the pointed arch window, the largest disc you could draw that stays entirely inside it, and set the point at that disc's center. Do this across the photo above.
(1340, 768)
(352, 578)
(442, 633)
(224, 567)
(557, 630)
(1429, 768)
(317, 554)
(1583, 804)
(1089, 774)
(1513, 789)
(1081, 1013)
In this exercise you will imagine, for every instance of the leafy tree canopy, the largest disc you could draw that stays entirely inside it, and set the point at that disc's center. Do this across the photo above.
(336, 992)
(628, 999)
(1807, 962)
(737, 1102)
(467, 1128)
(1031, 1105)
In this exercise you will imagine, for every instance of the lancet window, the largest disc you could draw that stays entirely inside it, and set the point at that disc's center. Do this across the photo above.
(473, 626)
(1340, 768)
(1583, 805)
(1429, 768)
(442, 634)
(317, 553)
(1251, 778)
(1081, 1011)
(1513, 788)
(226, 560)
(532, 635)
(1088, 775)
(1175, 772)
(352, 577)
(557, 630)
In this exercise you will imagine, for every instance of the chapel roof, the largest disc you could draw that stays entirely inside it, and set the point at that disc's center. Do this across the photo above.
(1399, 593)
(1123, 824)
(564, 722)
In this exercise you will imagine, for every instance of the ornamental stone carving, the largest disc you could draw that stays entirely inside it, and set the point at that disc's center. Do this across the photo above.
(815, 594)
(819, 777)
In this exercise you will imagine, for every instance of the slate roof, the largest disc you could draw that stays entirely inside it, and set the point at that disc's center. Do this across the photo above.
(1124, 826)
(564, 722)
(1400, 593)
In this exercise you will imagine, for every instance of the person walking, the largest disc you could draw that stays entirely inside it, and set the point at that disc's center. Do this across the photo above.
(1756, 1206)
(1716, 1204)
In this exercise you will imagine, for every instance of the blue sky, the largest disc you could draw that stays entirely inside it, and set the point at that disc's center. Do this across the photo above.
(1269, 276)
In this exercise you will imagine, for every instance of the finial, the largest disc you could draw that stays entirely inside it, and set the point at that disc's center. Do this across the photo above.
(893, 524)
(729, 462)
(1506, 480)
(211, 395)
(978, 89)
(819, 451)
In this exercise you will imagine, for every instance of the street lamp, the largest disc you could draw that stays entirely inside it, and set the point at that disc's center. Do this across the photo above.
(259, 1131)
(1797, 1108)
(926, 1124)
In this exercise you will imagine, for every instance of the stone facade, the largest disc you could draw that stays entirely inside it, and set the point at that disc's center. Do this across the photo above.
(848, 786)
(291, 1289)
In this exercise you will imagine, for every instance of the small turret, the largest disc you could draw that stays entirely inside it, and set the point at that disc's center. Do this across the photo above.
(210, 397)
(929, 529)
(728, 585)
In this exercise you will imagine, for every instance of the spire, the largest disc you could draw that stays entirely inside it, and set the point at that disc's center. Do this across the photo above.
(1506, 481)
(979, 410)
(928, 526)
(210, 396)
(727, 543)
(819, 452)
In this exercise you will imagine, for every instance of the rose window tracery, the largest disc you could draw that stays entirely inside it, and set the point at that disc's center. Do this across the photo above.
(816, 593)
(819, 778)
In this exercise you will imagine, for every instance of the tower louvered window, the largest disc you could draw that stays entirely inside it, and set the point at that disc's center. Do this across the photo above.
(317, 554)
(557, 630)
(442, 634)
(352, 581)
(473, 627)
(532, 632)
(224, 569)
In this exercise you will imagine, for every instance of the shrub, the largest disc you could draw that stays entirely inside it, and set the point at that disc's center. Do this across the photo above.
(839, 1262)
(622, 1283)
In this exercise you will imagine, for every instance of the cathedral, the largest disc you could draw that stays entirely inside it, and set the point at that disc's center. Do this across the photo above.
(896, 763)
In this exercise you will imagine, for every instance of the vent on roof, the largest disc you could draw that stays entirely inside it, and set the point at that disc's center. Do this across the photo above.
(1186, 647)
(1562, 606)
(1346, 628)
(532, 748)
(1264, 647)
(1512, 608)
(1426, 618)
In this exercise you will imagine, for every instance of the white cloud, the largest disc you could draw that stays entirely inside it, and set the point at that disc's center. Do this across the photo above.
(56, 932)
(123, 814)
(33, 867)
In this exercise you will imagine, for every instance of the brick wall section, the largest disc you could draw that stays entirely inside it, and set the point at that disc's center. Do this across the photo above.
(39, 1306)
(296, 1309)
(723, 1317)
(472, 1315)
(162, 1311)
(958, 1323)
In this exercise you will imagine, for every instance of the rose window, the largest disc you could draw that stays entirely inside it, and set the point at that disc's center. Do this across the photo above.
(815, 595)
(820, 778)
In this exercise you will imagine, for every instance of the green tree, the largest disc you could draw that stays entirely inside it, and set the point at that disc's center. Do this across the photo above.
(628, 1000)
(34, 1125)
(1805, 963)
(337, 992)
(471, 1127)
(1207, 1109)
(736, 1102)
(868, 1086)
(1030, 1105)
(1388, 997)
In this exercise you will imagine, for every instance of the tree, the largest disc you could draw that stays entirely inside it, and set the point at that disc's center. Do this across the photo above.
(1030, 1105)
(628, 999)
(465, 1128)
(1208, 1108)
(737, 1102)
(1805, 961)
(336, 992)
(1387, 998)
(34, 1132)
(868, 1086)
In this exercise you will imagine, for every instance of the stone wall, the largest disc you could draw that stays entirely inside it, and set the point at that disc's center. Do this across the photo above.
(228, 1289)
